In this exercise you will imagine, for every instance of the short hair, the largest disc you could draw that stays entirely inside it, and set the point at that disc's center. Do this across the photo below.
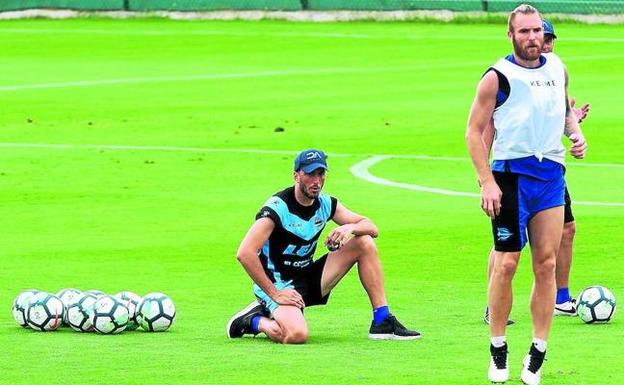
(524, 9)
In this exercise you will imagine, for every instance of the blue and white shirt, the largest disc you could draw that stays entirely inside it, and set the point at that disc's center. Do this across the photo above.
(290, 248)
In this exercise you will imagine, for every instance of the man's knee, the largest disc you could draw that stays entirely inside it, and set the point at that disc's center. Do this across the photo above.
(507, 268)
(544, 268)
(296, 336)
(365, 243)
(569, 231)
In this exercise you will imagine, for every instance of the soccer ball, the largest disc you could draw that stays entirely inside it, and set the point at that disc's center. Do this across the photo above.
(130, 301)
(156, 312)
(45, 312)
(109, 315)
(596, 304)
(21, 304)
(79, 312)
(67, 296)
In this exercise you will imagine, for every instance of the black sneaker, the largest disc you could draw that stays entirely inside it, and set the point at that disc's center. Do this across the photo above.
(391, 329)
(486, 318)
(532, 366)
(240, 323)
(498, 371)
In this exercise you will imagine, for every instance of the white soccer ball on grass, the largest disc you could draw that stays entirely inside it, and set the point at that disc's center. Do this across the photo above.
(596, 304)
(156, 312)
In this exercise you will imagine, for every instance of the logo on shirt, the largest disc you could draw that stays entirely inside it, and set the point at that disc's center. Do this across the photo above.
(503, 234)
(265, 214)
(318, 222)
(540, 83)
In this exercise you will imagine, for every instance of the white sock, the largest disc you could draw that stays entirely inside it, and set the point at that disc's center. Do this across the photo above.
(539, 344)
(499, 341)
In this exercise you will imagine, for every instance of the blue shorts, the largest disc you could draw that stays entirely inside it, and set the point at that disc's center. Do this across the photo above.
(523, 197)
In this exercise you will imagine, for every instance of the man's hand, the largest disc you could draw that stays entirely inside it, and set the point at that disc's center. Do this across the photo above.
(491, 196)
(579, 146)
(581, 113)
(339, 236)
(289, 297)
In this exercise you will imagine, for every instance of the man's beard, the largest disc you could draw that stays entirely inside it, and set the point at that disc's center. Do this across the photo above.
(524, 54)
(308, 194)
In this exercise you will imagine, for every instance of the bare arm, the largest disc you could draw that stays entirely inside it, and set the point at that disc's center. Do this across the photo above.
(247, 255)
(488, 138)
(572, 128)
(480, 117)
(350, 224)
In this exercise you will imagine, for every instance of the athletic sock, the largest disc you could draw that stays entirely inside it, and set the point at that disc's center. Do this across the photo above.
(255, 324)
(563, 295)
(539, 344)
(380, 314)
(498, 342)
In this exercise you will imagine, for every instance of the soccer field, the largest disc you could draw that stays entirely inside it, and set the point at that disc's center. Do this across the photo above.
(134, 155)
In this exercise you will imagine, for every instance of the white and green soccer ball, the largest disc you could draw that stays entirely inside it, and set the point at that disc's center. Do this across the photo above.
(131, 301)
(79, 313)
(156, 312)
(109, 315)
(596, 304)
(45, 312)
(68, 296)
(20, 304)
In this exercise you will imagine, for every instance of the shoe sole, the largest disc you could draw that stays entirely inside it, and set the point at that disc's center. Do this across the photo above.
(240, 313)
(393, 337)
(565, 313)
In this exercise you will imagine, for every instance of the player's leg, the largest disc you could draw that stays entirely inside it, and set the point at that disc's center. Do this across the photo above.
(564, 258)
(565, 304)
(491, 257)
(291, 326)
(286, 324)
(500, 290)
(490, 268)
(545, 230)
(545, 234)
(499, 303)
(362, 250)
(509, 233)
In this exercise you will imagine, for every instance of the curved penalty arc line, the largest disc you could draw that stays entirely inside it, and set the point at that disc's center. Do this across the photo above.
(361, 170)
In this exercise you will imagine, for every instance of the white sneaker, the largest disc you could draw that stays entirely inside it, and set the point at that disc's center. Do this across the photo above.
(567, 308)
(532, 367)
(499, 370)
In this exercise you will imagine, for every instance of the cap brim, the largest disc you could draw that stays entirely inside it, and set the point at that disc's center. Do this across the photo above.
(310, 168)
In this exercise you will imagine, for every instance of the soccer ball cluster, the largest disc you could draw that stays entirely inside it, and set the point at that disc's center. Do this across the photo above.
(93, 310)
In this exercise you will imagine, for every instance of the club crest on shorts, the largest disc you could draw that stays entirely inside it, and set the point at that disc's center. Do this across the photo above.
(503, 234)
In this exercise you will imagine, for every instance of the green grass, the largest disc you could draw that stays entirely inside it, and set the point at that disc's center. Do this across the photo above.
(171, 221)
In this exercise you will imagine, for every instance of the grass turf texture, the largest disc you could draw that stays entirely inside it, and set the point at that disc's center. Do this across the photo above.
(171, 221)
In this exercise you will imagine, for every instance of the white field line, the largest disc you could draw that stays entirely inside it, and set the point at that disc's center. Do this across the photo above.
(360, 170)
(154, 148)
(330, 35)
(241, 75)
(254, 151)
(261, 74)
